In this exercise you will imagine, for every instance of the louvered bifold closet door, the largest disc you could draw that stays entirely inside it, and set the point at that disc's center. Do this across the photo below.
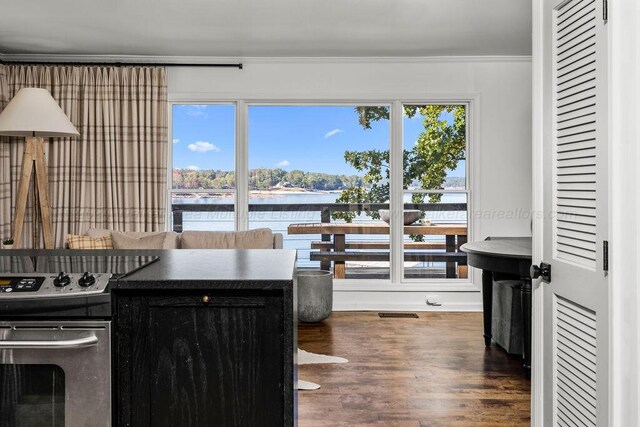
(579, 120)
(577, 104)
(575, 365)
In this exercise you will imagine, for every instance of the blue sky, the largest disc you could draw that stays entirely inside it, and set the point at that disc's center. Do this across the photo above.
(309, 138)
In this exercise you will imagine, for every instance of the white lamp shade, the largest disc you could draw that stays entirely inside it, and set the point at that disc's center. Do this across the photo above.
(34, 112)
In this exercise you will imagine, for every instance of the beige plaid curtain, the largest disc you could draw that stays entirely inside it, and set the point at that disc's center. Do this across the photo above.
(5, 165)
(112, 176)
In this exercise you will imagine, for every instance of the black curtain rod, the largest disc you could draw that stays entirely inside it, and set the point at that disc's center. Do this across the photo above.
(123, 64)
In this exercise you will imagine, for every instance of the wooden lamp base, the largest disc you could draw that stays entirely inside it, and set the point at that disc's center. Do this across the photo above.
(33, 157)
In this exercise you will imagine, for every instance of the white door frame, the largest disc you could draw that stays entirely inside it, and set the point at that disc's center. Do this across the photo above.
(537, 206)
(624, 89)
(624, 182)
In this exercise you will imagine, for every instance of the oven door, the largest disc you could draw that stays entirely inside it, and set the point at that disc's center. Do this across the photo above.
(55, 374)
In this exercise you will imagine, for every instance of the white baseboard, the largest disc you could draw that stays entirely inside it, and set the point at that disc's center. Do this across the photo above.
(405, 301)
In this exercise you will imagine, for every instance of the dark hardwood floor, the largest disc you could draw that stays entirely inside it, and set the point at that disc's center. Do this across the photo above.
(431, 371)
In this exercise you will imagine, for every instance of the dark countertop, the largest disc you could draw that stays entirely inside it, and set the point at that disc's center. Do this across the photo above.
(511, 247)
(220, 268)
(197, 268)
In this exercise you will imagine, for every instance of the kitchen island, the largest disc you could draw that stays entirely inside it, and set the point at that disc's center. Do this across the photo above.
(206, 338)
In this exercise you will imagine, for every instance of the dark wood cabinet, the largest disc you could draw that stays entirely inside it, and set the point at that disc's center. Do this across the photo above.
(201, 358)
(193, 352)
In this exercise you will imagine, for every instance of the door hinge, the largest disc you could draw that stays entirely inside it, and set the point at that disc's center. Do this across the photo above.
(605, 10)
(605, 255)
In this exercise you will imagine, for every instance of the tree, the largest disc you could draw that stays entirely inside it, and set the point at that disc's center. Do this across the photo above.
(438, 148)
(262, 179)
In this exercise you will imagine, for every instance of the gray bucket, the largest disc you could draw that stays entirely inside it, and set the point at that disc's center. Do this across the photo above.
(315, 295)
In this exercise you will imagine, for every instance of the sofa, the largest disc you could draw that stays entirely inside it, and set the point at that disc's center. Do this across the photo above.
(261, 238)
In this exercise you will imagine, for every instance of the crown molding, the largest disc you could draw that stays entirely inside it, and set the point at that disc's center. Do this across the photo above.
(122, 59)
(388, 59)
(261, 60)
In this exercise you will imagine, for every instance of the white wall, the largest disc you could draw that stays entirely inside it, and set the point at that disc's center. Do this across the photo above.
(501, 150)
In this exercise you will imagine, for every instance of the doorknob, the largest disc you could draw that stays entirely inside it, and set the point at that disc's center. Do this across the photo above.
(544, 271)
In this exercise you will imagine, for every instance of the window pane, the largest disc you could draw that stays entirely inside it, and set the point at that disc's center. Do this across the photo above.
(203, 162)
(434, 141)
(203, 147)
(313, 165)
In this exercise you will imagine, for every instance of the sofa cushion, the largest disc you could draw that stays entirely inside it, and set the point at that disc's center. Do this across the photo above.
(261, 238)
(126, 241)
(171, 238)
(85, 242)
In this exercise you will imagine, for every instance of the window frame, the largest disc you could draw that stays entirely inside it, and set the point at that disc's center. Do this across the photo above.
(396, 282)
(467, 187)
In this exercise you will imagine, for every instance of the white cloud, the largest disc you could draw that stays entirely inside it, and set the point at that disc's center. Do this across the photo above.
(176, 141)
(196, 110)
(283, 163)
(331, 133)
(203, 147)
(193, 168)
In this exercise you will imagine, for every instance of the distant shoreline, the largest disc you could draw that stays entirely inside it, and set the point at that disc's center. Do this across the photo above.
(254, 194)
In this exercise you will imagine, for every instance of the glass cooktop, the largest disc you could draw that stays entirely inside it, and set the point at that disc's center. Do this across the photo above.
(117, 264)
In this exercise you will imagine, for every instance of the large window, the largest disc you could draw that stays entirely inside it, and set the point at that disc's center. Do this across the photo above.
(322, 175)
(204, 165)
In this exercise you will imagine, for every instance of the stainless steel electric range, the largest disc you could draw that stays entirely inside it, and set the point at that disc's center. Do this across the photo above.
(55, 338)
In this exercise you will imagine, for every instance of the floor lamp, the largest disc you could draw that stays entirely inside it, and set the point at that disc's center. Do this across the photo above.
(34, 114)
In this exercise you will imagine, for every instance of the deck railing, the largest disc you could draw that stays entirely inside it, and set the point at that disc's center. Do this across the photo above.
(307, 212)
(325, 209)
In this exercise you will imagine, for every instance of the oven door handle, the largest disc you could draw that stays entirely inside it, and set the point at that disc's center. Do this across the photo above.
(50, 345)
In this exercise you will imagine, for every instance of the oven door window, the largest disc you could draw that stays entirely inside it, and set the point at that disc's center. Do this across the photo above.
(32, 395)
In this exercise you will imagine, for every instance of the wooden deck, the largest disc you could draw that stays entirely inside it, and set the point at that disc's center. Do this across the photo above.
(431, 371)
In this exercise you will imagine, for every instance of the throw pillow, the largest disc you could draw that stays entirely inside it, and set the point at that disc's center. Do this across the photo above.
(85, 242)
(122, 241)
